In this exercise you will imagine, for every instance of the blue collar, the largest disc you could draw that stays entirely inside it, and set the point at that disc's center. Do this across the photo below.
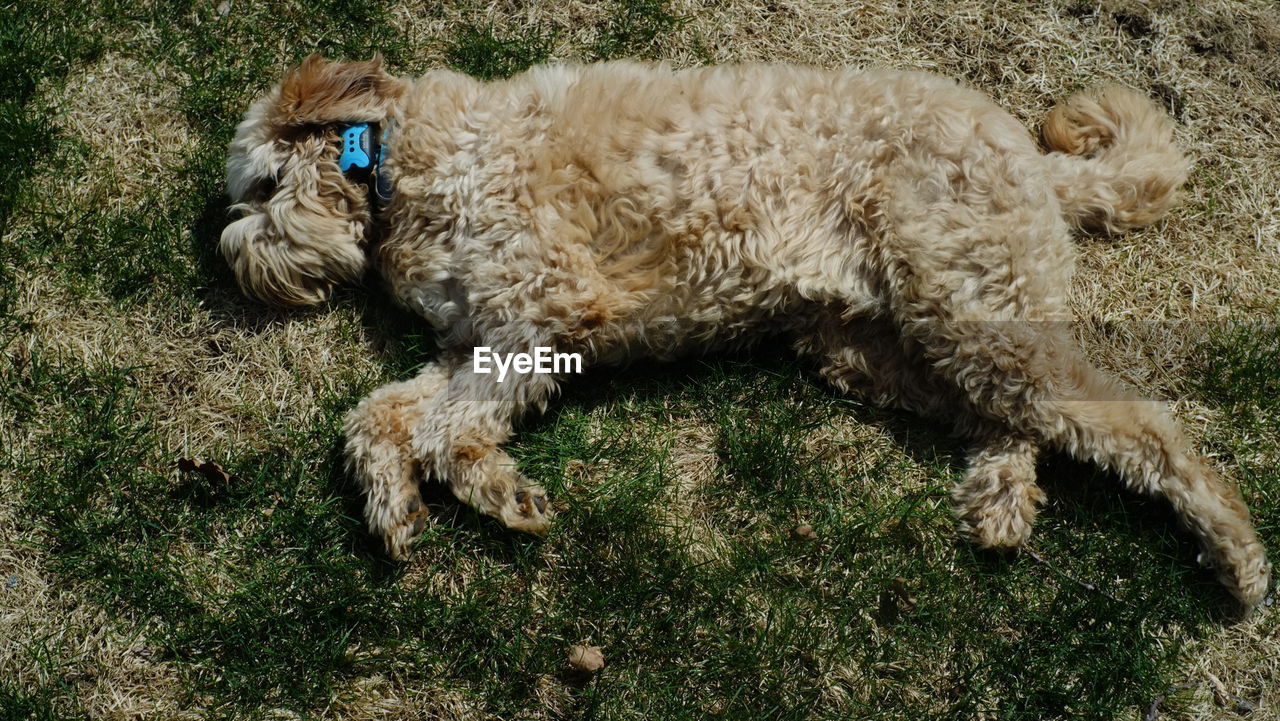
(363, 152)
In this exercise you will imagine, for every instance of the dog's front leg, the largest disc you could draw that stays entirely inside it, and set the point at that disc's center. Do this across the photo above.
(448, 422)
(459, 438)
(381, 457)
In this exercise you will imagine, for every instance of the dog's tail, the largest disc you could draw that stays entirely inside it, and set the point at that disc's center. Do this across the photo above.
(1115, 166)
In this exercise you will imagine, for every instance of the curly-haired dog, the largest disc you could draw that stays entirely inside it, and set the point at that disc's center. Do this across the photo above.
(905, 231)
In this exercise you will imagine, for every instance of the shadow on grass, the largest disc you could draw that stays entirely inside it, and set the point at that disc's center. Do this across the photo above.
(1039, 643)
(1088, 499)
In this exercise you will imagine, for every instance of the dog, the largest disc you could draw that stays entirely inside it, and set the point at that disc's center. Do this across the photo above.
(903, 231)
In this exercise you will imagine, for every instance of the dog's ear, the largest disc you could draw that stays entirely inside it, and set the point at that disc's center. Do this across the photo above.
(301, 235)
(319, 91)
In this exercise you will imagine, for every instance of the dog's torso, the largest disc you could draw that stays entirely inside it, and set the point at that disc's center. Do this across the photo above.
(625, 209)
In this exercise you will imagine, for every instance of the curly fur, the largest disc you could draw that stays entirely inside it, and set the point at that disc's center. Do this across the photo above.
(904, 231)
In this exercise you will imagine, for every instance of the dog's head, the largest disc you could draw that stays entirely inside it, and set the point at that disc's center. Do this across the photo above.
(302, 224)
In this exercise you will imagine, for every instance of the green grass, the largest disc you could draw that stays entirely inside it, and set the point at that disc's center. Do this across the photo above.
(478, 51)
(633, 29)
(37, 47)
(278, 610)
(1240, 371)
(267, 593)
(1240, 375)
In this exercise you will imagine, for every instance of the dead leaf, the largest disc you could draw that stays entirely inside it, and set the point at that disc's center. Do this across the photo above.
(905, 599)
(1226, 699)
(895, 601)
(209, 470)
(575, 468)
(587, 659)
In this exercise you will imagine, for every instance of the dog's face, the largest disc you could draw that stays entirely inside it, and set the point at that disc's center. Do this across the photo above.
(302, 224)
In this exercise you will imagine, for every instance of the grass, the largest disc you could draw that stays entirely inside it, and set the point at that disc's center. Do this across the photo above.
(132, 590)
(477, 51)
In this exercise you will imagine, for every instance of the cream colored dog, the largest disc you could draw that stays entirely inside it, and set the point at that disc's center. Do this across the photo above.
(904, 231)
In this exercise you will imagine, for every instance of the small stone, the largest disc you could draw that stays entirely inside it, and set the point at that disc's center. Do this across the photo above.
(805, 531)
(224, 8)
(587, 659)
(11, 581)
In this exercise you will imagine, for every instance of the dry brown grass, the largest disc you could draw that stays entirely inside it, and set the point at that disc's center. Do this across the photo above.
(112, 675)
(207, 379)
(123, 114)
(211, 380)
(126, 113)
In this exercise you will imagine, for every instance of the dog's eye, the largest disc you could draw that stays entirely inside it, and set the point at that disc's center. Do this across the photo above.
(263, 189)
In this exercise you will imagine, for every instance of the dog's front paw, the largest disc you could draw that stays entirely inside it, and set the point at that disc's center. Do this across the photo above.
(527, 510)
(399, 523)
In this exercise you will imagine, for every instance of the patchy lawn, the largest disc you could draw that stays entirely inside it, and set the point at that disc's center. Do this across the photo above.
(131, 590)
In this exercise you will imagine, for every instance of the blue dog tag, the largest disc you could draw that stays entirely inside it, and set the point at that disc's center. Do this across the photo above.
(355, 148)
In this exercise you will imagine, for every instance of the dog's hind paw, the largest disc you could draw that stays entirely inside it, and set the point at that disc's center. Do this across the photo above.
(1245, 571)
(994, 511)
(996, 528)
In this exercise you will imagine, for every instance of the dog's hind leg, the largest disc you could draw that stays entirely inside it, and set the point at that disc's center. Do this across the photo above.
(866, 357)
(996, 502)
(381, 458)
(1030, 374)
